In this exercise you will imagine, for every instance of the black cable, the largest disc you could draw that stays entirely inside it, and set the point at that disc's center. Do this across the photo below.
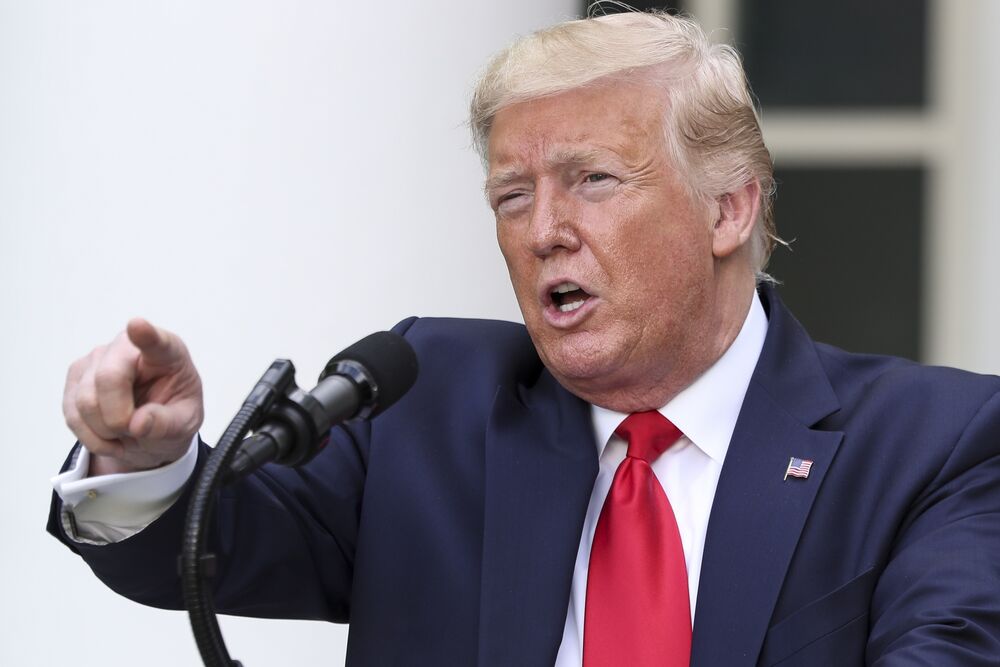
(196, 566)
(360, 382)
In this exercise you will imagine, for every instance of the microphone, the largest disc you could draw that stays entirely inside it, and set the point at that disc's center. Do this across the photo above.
(359, 383)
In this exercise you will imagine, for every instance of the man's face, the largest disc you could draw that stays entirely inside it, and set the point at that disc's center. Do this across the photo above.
(609, 255)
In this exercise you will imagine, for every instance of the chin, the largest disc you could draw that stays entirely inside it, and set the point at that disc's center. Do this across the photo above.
(580, 359)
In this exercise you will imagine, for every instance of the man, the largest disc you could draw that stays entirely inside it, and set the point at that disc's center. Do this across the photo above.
(818, 508)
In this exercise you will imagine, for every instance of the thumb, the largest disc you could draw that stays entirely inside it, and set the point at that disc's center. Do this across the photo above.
(154, 421)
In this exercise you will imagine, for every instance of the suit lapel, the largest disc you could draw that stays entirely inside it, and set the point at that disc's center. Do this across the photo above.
(757, 516)
(540, 468)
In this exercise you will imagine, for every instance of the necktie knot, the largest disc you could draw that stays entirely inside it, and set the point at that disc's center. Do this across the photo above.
(648, 434)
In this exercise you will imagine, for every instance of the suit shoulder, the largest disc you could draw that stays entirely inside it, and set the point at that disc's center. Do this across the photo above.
(490, 348)
(904, 384)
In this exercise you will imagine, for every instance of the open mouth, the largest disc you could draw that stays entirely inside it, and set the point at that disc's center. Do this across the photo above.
(567, 297)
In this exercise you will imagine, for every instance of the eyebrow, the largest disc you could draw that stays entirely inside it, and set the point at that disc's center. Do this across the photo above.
(561, 157)
(500, 179)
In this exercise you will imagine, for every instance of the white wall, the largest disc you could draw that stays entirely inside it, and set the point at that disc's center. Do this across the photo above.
(267, 179)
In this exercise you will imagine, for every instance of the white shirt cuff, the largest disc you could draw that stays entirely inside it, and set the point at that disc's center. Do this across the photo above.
(111, 508)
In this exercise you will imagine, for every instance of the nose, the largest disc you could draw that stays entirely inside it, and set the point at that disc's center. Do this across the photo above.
(552, 226)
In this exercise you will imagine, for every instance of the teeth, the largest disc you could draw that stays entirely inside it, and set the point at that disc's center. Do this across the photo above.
(567, 307)
(566, 287)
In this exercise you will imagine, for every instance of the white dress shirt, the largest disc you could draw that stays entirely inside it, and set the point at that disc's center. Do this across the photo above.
(706, 413)
(110, 508)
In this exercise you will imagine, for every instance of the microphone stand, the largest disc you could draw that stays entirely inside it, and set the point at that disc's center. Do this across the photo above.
(196, 566)
(360, 382)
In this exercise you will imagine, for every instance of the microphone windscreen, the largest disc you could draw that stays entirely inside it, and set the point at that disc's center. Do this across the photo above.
(388, 359)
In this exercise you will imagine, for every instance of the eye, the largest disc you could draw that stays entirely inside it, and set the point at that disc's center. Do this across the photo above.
(505, 200)
(511, 203)
(596, 178)
(508, 197)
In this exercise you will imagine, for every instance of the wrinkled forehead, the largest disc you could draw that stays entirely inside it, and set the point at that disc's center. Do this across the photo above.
(625, 117)
(654, 80)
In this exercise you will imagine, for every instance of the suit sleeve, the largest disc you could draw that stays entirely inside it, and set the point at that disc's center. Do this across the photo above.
(284, 538)
(938, 599)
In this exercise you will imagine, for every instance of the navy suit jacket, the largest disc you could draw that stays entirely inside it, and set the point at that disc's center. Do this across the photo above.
(446, 531)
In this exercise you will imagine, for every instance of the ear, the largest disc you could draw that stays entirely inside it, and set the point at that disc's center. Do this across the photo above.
(737, 214)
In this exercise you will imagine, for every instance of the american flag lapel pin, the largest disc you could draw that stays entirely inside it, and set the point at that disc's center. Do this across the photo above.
(798, 468)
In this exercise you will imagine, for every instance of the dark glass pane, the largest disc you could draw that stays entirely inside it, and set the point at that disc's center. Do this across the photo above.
(853, 274)
(852, 53)
(610, 8)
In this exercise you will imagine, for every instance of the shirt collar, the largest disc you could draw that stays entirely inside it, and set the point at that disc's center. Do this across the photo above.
(706, 410)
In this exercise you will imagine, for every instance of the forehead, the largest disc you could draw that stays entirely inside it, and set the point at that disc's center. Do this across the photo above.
(617, 119)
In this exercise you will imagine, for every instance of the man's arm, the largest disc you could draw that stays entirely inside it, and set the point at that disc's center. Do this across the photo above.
(284, 538)
(938, 600)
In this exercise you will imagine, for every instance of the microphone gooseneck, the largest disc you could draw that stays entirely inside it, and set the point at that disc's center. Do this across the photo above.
(358, 383)
(290, 426)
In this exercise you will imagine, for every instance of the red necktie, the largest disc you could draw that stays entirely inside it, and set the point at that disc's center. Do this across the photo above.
(638, 610)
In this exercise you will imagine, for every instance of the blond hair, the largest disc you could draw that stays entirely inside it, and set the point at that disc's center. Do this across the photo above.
(711, 125)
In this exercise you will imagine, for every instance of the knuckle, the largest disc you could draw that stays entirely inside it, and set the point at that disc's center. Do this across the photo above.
(73, 420)
(107, 375)
(86, 399)
(116, 422)
(69, 399)
(77, 367)
(69, 396)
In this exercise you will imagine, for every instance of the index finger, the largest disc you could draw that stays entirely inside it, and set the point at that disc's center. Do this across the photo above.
(113, 379)
(158, 346)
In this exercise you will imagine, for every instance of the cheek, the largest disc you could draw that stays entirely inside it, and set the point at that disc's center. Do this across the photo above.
(673, 245)
(519, 265)
(507, 248)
